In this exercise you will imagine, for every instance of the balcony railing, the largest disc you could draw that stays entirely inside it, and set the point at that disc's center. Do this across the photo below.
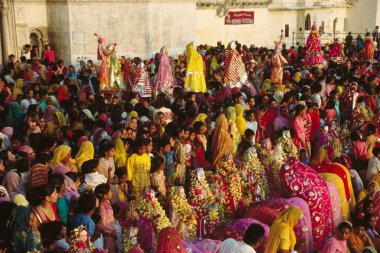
(231, 3)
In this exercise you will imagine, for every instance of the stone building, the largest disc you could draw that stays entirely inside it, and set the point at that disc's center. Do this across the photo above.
(142, 27)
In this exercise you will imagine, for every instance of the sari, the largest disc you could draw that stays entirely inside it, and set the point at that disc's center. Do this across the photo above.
(17, 89)
(364, 193)
(347, 103)
(200, 117)
(60, 153)
(24, 238)
(103, 117)
(221, 140)
(63, 93)
(121, 155)
(345, 175)
(298, 127)
(300, 180)
(240, 121)
(15, 115)
(235, 73)
(342, 201)
(281, 235)
(164, 77)
(333, 245)
(169, 241)
(376, 209)
(52, 128)
(86, 152)
(335, 204)
(233, 130)
(195, 78)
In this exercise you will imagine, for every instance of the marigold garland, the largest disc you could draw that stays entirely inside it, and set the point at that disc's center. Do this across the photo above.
(185, 213)
(150, 208)
(202, 199)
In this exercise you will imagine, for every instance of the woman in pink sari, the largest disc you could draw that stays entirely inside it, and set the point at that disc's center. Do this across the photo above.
(300, 180)
(164, 78)
(298, 127)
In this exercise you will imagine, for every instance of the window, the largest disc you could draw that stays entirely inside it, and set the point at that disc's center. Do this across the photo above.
(286, 31)
(307, 22)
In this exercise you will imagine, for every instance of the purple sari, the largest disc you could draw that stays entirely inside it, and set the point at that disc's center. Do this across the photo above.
(164, 77)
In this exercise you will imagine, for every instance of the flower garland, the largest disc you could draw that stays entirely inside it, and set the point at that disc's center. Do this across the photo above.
(150, 208)
(288, 145)
(77, 244)
(202, 198)
(130, 238)
(186, 215)
(254, 174)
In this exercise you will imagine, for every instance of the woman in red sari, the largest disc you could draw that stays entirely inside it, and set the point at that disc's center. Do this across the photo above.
(302, 181)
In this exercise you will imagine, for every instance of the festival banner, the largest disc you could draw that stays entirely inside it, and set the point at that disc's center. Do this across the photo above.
(239, 18)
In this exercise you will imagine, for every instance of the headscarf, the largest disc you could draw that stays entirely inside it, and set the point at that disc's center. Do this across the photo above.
(17, 88)
(169, 241)
(4, 196)
(222, 142)
(319, 157)
(63, 93)
(28, 150)
(231, 113)
(103, 117)
(89, 114)
(86, 152)
(120, 157)
(23, 238)
(15, 115)
(240, 121)
(12, 182)
(52, 127)
(337, 147)
(44, 104)
(20, 200)
(283, 225)
(195, 79)
(164, 76)
(59, 154)
(200, 117)
(81, 140)
(8, 131)
(334, 245)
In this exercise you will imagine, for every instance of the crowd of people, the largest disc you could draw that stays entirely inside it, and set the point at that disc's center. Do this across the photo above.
(222, 149)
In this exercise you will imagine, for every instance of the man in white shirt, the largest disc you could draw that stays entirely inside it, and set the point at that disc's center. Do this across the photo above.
(373, 164)
(253, 238)
(29, 100)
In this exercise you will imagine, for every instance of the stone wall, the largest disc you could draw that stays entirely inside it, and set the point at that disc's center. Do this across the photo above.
(139, 28)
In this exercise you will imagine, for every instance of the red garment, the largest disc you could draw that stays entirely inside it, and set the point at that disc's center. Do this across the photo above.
(340, 171)
(49, 56)
(299, 130)
(315, 125)
(63, 93)
(169, 241)
(302, 181)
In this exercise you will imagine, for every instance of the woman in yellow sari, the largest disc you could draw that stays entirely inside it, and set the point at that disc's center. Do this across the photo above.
(55, 125)
(372, 187)
(281, 236)
(232, 128)
(200, 117)
(338, 182)
(86, 152)
(221, 140)
(121, 155)
(17, 89)
(62, 157)
(240, 121)
(195, 78)
(344, 173)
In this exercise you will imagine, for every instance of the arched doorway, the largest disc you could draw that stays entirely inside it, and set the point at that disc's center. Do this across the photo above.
(34, 40)
(307, 22)
(334, 26)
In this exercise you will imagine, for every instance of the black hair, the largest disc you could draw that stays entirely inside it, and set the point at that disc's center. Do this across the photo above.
(344, 225)
(299, 108)
(105, 147)
(89, 166)
(36, 196)
(42, 158)
(371, 129)
(355, 136)
(86, 202)
(95, 218)
(21, 164)
(197, 126)
(249, 132)
(50, 232)
(101, 190)
(367, 219)
(56, 180)
(376, 151)
(120, 172)
(163, 143)
(138, 144)
(72, 175)
(158, 161)
(253, 233)
(358, 223)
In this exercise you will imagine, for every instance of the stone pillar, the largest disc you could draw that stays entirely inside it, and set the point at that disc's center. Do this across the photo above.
(4, 35)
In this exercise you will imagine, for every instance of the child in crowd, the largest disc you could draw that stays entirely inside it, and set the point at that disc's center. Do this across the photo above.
(107, 220)
(157, 176)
